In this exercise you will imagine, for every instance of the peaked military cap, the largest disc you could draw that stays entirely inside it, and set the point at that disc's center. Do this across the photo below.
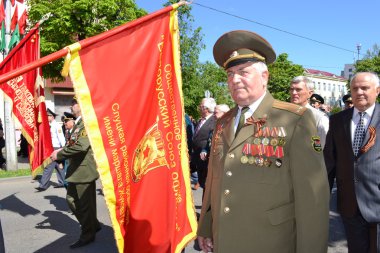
(50, 112)
(347, 98)
(68, 116)
(237, 47)
(317, 98)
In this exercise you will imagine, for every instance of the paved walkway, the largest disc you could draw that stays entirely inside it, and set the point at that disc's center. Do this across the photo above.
(41, 221)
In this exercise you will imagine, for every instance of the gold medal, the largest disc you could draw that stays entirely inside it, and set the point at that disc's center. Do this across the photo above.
(281, 141)
(274, 142)
(244, 159)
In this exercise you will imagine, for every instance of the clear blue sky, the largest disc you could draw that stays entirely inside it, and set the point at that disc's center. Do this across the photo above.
(343, 24)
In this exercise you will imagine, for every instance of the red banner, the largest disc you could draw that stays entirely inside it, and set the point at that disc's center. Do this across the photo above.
(128, 84)
(28, 102)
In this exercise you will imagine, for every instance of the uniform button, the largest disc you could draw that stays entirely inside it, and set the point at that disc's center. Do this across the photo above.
(226, 192)
(231, 155)
(229, 173)
(226, 209)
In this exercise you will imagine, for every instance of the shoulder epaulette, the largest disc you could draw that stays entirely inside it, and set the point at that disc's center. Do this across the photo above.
(297, 109)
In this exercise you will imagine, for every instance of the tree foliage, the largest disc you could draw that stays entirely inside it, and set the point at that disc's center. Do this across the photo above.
(282, 71)
(74, 20)
(369, 64)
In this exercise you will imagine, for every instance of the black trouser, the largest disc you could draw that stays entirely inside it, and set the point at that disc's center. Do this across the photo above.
(361, 235)
(82, 202)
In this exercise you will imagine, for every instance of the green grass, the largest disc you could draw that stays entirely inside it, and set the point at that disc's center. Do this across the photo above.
(15, 173)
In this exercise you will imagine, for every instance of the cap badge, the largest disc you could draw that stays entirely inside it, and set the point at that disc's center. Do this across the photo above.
(234, 54)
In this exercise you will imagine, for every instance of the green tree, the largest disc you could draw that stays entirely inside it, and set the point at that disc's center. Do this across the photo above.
(74, 20)
(371, 53)
(191, 44)
(369, 64)
(282, 71)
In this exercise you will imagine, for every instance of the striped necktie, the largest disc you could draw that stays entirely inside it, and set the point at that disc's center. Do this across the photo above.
(359, 134)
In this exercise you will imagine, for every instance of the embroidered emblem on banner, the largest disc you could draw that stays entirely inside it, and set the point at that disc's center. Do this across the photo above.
(149, 154)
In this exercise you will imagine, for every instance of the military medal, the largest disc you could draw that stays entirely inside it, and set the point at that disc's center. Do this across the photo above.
(257, 141)
(266, 134)
(267, 162)
(274, 140)
(259, 161)
(281, 135)
(246, 151)
(251, 160)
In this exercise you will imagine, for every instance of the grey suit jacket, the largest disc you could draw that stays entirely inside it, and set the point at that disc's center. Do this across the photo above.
(358, 178)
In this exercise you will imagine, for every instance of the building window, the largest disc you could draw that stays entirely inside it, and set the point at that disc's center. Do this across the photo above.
(324, 86)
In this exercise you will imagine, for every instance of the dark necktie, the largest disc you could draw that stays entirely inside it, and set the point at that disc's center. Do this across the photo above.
(241, 119)
(200, 124)
(359, 134)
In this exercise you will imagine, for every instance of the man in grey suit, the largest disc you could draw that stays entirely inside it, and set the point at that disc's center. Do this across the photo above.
(352, 153)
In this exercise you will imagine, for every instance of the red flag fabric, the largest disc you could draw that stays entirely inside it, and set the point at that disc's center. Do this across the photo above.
(22, 22)
(2, 11)
(128, 84)
(27, 97)
(14, 19)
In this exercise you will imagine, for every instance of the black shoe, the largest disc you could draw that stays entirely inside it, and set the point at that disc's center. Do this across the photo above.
(80, 243)
(40, 189)
(58, 186)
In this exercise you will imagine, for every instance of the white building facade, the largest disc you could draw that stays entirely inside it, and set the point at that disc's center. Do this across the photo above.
(331, 87)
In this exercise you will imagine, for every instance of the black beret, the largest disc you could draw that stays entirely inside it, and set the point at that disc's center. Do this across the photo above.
(317, 98)
(240, 46)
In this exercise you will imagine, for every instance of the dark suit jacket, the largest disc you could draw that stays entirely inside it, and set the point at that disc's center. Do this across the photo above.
(82, 166)
(201, 138)
(357, 178)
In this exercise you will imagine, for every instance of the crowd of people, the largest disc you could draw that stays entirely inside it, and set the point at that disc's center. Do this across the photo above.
(266, 167)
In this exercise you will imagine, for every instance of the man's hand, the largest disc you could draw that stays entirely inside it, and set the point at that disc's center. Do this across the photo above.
(205, 244)
(53, 155)
(203, 155)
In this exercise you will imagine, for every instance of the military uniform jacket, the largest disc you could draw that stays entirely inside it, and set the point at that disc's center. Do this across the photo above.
(281, 206)
(357, 178)
(82, 166)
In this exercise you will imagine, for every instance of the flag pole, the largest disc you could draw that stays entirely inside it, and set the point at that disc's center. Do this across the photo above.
(9, 126)
(83, 44)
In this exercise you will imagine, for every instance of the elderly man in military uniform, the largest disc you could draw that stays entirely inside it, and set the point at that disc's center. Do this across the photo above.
(267, 188)
(58, 141)
(81, 176)
(301, 88)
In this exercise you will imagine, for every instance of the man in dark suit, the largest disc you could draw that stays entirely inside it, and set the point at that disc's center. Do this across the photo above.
(201, 139)
(81, 176)
(267, 188)
(352, 153)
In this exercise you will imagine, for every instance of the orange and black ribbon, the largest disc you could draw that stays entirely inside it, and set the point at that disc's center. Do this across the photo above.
(371, 140)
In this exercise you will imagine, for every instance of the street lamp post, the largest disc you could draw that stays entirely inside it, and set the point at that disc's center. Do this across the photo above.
(358, 47)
